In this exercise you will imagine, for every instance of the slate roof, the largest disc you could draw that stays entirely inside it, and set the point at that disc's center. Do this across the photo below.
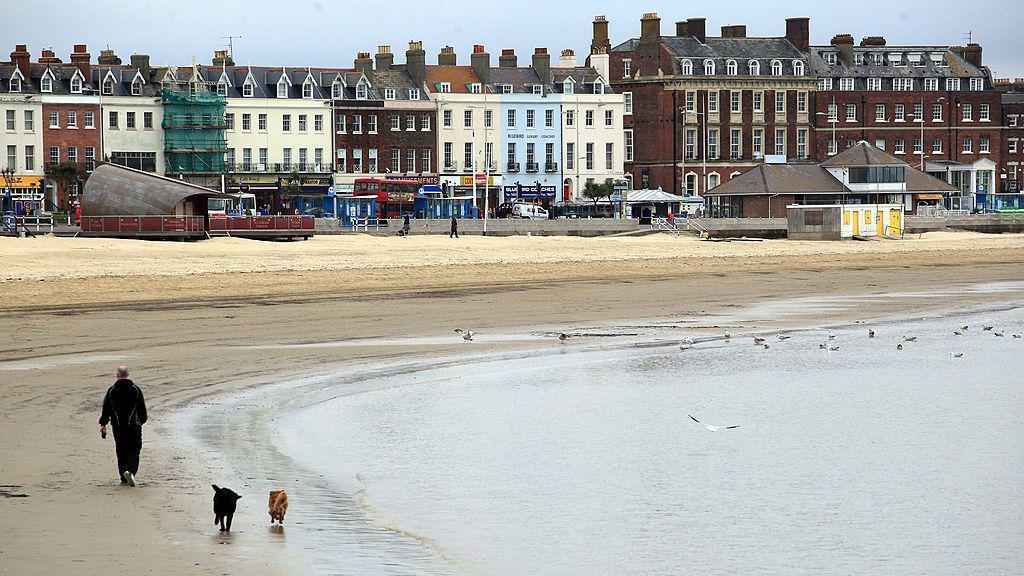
(863, 154)
(949, 65)
(721, 50)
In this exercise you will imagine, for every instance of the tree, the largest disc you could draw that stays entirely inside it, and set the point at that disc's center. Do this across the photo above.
(595, 191)
(63, 174)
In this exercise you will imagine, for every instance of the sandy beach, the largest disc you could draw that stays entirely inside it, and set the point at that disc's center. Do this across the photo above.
(75, 308)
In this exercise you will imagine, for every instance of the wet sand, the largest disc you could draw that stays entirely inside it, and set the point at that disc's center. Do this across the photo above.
(184, 333)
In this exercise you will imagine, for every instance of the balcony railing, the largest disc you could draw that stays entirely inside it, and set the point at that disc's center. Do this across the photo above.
(512, 167)
(532, 167)
(451, 166)
(306, 168)
(551, 166)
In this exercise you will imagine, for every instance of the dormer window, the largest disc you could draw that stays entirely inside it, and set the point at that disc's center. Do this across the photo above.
(568, 87)
(709, 67)
(474, 88)
(222, 88)
(137, 87)
(877, 58)
(444, 87)
(938, 59)
(46, 83)
(307, 90)
(731, 68)
(687, 68)
(108, 86)
(282, 89)
(538, 89)
(798, 67)
(505, 88)
(754, 67)
(776, 68)
(247, 89)
(362, 93)
(15, 84)
(389, 94)
(830, 58)
(858, 59)
(598, 87)
(414, 93)
(76, 85)
(337, 90)
(896, 58)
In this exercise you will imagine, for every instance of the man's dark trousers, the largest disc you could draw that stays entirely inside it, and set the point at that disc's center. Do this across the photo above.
(128, 441)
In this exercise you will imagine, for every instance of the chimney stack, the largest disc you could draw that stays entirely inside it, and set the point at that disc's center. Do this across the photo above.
(220, 59)
(650, 26)
(567, 59)
(972, 53)
(48, 57)
(416, 62)
(600, 40)
(542, 65)
(508, 58)
(108, 58)
(21, 58)
(798, 32)
(80, 58)
(385, 59)
(681, 29)
(141, 63)
(364, 64)
(481, 62)
(697, 27)
(734, 31)
(447, 57)
(872, 41)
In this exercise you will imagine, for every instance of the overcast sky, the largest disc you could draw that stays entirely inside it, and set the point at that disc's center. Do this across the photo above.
(330, 33)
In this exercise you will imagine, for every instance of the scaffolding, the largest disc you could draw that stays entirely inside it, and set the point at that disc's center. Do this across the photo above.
(194, 132)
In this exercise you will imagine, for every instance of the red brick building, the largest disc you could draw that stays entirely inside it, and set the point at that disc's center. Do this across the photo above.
(1012, 169)
(384, 124)
(71, 119)
(702, 109)
(881, 93)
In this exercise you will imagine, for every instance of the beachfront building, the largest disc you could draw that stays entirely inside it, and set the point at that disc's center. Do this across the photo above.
(702, 109)
(861, 174)
(131, 118)
(933, 106)
(537, 133)
(21, 111)
(277, 124)
(1012, 171)
(384, 124)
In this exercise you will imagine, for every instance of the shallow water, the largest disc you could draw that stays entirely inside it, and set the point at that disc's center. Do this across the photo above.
(866, 460)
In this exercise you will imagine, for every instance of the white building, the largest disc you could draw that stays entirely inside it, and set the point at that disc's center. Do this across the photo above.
(131, 114)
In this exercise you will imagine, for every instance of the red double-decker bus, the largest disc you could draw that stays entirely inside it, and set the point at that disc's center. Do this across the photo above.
(396, 197)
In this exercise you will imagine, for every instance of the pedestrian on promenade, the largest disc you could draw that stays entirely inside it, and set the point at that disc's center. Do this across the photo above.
(455, 228)
(125, 407)
(406, 226)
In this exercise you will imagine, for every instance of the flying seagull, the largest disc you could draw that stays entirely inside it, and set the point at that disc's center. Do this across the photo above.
(711, 427)
(956, 354)
(833, 348)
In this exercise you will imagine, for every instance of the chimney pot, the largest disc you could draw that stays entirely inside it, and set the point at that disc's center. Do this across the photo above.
(447, 57)
(416, 62)
(798, 32)
(697, 27)
(650, 26)
(542, 64)
(508, 58)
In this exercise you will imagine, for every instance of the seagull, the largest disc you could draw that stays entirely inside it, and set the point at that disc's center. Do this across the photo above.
(727, 335)
(685, 346)
(986, 328)
(871, 333)
(766, 346)
(833, 348)
(822, 346)
(956, 355)
(1000, 333)
(783, 337)
(468, 335)
(562, 336)
(910, 338)
(758, 340)
(958, 333)
(1017, 336)
(831, 335)
(711, 427)
(687, 340)
(459, 330)
(964, 328)
(899, 346)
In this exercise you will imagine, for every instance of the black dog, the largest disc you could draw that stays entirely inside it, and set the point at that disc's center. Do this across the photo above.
(224, 502)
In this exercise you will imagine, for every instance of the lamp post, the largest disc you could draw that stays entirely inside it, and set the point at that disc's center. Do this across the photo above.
(832, 118)
(921, 120)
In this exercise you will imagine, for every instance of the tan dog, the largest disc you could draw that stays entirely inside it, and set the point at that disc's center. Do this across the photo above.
(278, 505)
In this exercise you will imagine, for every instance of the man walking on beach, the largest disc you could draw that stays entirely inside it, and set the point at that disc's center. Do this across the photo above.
(125, 407)
(455, 228)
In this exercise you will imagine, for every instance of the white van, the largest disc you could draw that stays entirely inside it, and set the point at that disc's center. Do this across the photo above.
(529, 211)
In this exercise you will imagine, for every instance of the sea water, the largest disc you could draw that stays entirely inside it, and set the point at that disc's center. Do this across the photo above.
(583, 459)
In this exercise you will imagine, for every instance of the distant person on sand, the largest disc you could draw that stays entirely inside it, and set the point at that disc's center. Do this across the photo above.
(406, 225)
(125, 407)
(455, 228)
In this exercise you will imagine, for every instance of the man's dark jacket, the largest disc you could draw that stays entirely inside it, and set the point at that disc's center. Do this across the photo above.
(124, 405)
